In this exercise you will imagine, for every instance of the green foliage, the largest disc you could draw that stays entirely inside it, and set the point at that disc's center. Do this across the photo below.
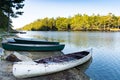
(76, 23)
(61, 24)
(9, 8)
(3, 21)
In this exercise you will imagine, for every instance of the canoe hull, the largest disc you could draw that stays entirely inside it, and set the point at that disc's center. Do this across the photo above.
(27, 47)
(22, 41)
(31, 69)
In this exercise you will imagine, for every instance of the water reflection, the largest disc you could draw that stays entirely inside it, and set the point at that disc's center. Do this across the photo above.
(106, 50)
(78, 39)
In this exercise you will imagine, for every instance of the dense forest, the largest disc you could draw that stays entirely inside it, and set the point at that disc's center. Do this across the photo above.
(78, 22)
(9, 9)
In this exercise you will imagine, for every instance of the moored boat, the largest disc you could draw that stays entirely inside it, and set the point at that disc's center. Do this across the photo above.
(50, 65)
(33, 41)
(31, 47)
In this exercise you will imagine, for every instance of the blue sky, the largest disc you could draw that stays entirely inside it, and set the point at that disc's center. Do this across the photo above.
(36, 9)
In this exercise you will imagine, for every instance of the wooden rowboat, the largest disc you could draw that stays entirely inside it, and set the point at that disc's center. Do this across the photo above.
(33, 41)
(50, 65)
(31, 47)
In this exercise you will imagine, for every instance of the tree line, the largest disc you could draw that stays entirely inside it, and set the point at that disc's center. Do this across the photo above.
(78, 22)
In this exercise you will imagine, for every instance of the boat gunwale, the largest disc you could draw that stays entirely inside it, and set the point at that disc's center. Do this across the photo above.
(34, 45)
(22, 47)
(35, 62)
(66, 55)
(36, 41)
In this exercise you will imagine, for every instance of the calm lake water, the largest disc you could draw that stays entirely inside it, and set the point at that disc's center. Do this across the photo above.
(105, 46)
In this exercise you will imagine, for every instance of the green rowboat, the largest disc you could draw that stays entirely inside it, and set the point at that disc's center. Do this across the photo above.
(32, 47)
(33, 41)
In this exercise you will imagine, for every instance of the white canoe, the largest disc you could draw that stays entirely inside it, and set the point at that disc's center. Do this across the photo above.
(50, 65)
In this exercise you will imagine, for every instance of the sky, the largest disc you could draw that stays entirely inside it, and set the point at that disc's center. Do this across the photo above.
(39, 9)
